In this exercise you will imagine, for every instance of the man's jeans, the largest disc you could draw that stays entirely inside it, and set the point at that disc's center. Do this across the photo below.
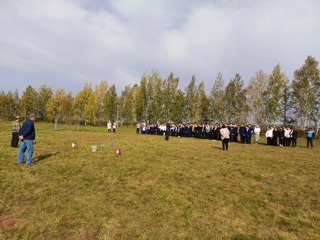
(25, 145)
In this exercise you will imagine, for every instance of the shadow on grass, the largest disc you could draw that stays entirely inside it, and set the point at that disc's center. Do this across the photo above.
(217, 147)
(45, 156)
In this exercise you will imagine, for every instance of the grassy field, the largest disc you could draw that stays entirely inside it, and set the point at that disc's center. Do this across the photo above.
(181, 189)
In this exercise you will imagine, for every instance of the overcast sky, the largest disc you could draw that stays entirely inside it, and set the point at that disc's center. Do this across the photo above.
(66, 43)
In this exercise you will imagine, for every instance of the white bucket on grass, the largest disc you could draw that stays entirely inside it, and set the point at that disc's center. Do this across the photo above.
(94, 148)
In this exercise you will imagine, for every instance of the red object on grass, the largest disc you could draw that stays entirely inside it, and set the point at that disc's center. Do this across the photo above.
(118, 152)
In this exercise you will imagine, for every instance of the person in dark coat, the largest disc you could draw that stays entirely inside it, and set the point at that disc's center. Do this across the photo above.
(230, 128)
(27, 135)
(294, 137)
(233, 133)
(281, 137)
(167, 132)
(242, 132)
(275, 136)
(15, 132)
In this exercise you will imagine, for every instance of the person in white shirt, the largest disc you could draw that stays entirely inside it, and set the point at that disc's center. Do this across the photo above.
(269, 135)
(114, 127)
(287, 136)
(256, 132)
(225, 134)
(109, 125)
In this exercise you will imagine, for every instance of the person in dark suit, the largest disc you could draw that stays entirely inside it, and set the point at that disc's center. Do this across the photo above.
(294, 137)
(275, 136)
(248, 134)
(230, 128)
(167, 132)
(281, 137)
(242, 132)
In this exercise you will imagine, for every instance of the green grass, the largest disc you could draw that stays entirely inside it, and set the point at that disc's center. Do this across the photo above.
(181, 189)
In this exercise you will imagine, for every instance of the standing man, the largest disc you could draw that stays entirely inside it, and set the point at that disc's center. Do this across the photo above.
(242, 132)
(294, 136)
(269, 136)
(15, 132)
(256, 132)
(310, 136)
(167, 133)
(27, 135)
(248, 134)
(275, 134)
(225, 134)
(230, 128)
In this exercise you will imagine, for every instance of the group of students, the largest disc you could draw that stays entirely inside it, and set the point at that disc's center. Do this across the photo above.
(204, 131)
(287, 136)
(276, 136)
(242, 134)
(284, 136)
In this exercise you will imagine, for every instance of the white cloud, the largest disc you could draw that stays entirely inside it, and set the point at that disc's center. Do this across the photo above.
(67, 43)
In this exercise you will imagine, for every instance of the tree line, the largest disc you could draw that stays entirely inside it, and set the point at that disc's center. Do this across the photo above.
(267, 99)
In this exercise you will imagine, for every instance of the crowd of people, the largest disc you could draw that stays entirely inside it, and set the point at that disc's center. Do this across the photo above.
(276, 136)
(283, 136)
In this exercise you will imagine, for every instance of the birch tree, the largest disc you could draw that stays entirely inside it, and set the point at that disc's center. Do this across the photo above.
(256, 102)
(216, 100)
(306, 92)
(236, 107)
(277, 84)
